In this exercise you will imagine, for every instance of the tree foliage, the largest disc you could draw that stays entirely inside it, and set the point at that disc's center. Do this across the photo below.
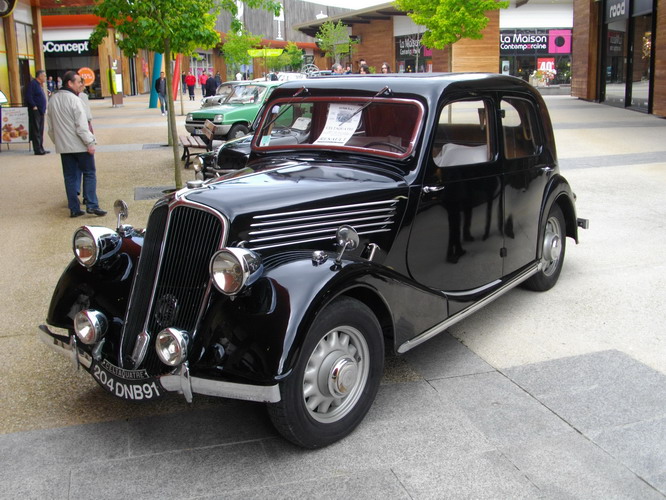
(334, 40)
(293, 56)
(447, 21)
(168, 27)
(236, 45)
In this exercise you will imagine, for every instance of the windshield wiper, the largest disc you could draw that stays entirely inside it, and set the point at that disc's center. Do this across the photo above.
(385, 90)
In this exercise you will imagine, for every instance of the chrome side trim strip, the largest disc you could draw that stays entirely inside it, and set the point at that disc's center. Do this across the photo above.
(439, 328)
(310, 240)
(388, 211)
(335, 208)
(180, 381)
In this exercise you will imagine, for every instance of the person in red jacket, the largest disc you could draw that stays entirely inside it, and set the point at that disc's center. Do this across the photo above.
(203, 77)
(190, 83)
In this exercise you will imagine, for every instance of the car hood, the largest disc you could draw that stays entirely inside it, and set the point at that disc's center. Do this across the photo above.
(211, 111)
(304, 187)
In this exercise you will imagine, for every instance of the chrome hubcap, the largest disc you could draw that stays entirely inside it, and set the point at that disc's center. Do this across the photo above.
(552, 245)
(336, 374)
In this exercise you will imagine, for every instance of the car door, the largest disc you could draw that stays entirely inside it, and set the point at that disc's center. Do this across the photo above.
(456, 236)
(527, 168)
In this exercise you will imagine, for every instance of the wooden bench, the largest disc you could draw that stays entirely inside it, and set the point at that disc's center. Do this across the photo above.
(190, 142)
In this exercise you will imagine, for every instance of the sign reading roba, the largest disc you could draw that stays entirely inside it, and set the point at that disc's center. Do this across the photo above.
(617, 9)
(68, 48)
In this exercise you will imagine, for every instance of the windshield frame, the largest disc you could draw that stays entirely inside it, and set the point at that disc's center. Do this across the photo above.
(267, 116)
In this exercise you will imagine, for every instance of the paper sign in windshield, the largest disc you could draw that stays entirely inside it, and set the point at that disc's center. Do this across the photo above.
(341, 124)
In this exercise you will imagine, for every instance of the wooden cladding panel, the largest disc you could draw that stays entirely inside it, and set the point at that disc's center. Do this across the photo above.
(479, 55)
(585, 61)
(659, 102)
(377, 44)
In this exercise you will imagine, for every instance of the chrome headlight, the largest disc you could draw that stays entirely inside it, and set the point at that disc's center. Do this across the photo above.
(92, 243)
(171, 346)
(231, 269)
(218, 118)
(188, 117)
(90, 326)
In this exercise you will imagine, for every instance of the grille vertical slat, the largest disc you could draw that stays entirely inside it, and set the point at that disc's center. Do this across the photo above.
(181, 281)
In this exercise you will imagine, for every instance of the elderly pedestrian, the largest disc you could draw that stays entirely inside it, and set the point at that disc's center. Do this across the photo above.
(210, 86)
(337, 69)
(35, 99)
(68, 129)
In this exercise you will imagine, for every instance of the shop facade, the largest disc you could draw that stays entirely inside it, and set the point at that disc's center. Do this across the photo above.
(620, 54)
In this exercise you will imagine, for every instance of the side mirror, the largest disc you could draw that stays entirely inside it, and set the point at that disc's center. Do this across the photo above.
(346, 239)
(121, 210)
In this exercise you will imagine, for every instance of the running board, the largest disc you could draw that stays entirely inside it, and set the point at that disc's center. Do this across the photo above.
(437, 329)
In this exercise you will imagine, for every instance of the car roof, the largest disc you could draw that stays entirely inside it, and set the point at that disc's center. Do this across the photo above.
(414, 85)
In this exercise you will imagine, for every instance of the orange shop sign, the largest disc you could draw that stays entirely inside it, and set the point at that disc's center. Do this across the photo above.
(88, 76)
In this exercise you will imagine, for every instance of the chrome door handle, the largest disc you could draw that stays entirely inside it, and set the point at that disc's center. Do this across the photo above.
(432, 189)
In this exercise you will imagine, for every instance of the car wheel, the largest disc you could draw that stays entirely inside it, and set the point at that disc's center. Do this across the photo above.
(335, 379)
(552, 259)
(238, 130)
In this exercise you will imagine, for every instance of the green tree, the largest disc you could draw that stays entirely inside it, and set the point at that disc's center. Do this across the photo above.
(236, 45)
(293, 56)
(447, 21)
(167, 27)
(334, 40)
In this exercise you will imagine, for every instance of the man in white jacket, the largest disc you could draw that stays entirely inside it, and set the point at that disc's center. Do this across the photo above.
(68, 129)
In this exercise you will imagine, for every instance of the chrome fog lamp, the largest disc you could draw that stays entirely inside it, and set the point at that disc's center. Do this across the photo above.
(171, 346)
(231, 269)
(90, 326)
(92, 243)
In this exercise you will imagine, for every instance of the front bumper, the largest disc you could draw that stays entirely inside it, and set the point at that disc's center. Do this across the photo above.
(179, 381)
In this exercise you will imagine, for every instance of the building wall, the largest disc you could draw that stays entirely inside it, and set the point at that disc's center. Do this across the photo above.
(377, 44)
(585, 59)
(479, 55)
(659, 107)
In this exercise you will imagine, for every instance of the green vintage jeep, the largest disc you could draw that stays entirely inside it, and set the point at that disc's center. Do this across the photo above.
(233, 117)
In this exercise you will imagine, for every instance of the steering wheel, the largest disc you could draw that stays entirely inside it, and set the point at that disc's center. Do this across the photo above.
(389, 144)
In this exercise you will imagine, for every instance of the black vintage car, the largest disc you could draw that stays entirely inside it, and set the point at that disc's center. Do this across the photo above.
(385, 210)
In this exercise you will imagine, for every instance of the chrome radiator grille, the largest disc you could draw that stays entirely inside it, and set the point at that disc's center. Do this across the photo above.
(172, 281)
(304, 226)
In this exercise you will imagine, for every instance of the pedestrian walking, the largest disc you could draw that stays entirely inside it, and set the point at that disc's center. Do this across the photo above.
(50, 85)
(190, 81)
(35, 99)
(202, 81)
(68, 129)
(211, 86)
(161, 89)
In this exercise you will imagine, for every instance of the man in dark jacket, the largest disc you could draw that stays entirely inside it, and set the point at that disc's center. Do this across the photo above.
(211, 86)
(161, 89)
(35, 99)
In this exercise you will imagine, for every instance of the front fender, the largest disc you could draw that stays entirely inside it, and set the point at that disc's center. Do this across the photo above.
(258, 336)
(558, 191)
(103, 287)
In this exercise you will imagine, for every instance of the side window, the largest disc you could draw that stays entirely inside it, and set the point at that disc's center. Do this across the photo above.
(519, 129)
(462, 135)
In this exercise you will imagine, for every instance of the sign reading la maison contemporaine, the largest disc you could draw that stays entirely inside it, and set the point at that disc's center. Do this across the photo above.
(519, 42)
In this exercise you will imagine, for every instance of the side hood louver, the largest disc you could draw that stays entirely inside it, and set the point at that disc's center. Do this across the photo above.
(320, 224)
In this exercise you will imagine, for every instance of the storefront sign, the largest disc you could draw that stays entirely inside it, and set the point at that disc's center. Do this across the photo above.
(408, 46)
(15, 126)
(68, 48)
(617, 10)
(535, 42)
(88, 76)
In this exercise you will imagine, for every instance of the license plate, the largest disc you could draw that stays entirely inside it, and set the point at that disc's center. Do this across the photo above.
(132, 385)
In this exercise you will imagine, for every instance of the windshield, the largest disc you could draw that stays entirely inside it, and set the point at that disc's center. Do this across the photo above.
(244, 94)
(382, 126)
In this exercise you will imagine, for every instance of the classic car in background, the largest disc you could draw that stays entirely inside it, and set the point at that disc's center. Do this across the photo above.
(233, 116)
(372, 211)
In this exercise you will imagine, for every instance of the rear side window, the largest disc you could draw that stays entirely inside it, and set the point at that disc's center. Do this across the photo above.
(462, 135)
(519, 128)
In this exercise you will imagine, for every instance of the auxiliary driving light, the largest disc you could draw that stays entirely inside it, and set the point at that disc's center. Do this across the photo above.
(90, 326)
(171, 346)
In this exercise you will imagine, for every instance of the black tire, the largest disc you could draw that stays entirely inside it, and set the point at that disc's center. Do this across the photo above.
(344, 340)
(552, 258)
(236, 131)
